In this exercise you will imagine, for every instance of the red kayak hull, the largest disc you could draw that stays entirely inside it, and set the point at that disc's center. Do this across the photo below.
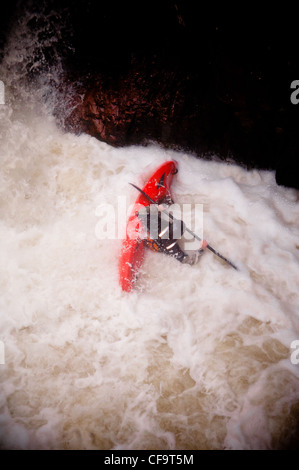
(132, 251)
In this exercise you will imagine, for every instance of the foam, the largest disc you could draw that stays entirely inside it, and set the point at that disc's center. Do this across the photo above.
(173, 364)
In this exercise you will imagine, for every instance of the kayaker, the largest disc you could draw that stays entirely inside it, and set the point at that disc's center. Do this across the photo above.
(162, 234)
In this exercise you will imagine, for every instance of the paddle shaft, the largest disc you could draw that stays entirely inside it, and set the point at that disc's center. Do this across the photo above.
(209, 247)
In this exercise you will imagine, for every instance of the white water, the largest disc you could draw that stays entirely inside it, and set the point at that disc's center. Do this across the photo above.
(197, 357)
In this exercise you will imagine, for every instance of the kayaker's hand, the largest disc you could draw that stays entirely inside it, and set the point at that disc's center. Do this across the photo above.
(204, 244)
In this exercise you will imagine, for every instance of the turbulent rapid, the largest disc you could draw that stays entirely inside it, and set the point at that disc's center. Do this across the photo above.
(197, 357)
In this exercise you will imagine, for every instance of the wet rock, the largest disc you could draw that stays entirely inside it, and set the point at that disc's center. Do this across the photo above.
(207, 82)
(208, 87)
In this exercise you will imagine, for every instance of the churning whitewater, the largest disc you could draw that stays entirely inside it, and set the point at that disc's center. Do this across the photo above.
(197, 357)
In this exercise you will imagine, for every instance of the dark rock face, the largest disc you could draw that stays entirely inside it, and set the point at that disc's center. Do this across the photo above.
(181, 111)
(209, 87)
(207, 82)
(137, 107)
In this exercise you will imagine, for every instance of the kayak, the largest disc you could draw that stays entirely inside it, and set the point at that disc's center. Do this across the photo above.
(133, 246)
